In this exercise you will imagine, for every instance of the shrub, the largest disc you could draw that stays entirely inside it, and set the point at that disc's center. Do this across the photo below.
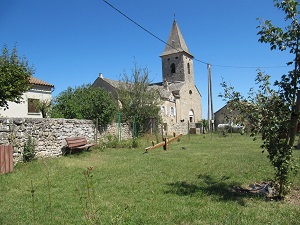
(29, 150)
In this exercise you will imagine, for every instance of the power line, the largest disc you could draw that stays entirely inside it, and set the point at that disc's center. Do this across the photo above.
(198, 60)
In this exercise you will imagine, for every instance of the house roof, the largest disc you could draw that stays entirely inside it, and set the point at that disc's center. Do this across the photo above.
(36, 81)
(175, 42)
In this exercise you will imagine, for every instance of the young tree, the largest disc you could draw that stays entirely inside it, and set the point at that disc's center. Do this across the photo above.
(85, 102)
(139, 101)
(14, 76)
(275, 113)
(44, 106)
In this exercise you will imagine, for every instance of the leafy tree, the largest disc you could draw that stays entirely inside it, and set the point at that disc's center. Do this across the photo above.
(84, 102)
(139, 101)
(14, 76)
(275, 113)
(44, 106)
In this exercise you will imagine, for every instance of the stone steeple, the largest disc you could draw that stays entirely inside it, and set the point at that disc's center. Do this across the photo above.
(177, 61)
(175, 42)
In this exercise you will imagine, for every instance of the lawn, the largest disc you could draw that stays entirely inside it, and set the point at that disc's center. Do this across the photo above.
(189, 184)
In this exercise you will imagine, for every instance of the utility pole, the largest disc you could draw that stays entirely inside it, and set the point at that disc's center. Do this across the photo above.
(210, 114)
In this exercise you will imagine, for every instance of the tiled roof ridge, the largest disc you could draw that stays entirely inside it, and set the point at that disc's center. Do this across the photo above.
(36, 81)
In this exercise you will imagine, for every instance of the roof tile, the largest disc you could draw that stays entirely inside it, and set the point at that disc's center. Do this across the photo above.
(34, 80)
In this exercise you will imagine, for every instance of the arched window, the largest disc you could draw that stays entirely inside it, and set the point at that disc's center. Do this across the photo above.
(191, 116)
(172, 111)
(163, 109)
(173, 68)
(189, 68)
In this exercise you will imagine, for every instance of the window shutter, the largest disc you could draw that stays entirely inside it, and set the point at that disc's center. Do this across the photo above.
(32, 105)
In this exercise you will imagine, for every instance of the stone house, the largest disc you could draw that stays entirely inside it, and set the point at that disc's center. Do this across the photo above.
(39, 91)
(222, 116)
(181, 101)
(226, 116)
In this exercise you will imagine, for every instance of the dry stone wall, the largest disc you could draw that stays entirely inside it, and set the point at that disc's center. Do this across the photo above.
(49, 134)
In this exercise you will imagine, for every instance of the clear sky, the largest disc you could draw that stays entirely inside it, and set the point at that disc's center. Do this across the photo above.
(70, 42)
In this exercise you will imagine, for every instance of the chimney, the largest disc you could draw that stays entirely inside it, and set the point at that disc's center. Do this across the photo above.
(100, 75)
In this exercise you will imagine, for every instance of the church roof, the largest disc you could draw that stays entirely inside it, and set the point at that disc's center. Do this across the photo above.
(165, 93)
(175, 42)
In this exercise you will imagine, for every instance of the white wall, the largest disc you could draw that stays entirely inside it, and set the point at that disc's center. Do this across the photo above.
(21, 109)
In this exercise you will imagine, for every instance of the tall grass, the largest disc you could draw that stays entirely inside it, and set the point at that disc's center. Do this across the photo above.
(189, 184)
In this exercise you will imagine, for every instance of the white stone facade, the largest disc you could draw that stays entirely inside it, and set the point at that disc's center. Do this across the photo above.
(39, 91)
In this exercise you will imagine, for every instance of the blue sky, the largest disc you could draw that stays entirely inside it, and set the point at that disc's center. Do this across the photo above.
(70, 42)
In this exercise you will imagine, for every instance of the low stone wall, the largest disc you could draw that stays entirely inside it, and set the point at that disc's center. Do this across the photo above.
(49, 134)
(113, 130)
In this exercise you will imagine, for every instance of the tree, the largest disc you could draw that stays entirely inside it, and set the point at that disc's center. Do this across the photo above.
(44, 106)
(14, 76)
(139, 101)
(275, 113)
(84, 102)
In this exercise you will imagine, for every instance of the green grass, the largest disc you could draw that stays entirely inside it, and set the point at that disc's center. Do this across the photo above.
(190, 186)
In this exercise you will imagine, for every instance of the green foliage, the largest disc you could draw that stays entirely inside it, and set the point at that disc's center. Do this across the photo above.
(44, 106)
(275, 113)
(29, 150)
(139, 101)
(87, 196)
(264, 112)
(113, 142)
(84, 102)
(14, 76)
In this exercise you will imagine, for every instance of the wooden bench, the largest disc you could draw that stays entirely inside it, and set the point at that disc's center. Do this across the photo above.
(77, 143)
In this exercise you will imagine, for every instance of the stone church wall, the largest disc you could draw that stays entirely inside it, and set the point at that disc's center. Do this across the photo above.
(49, 134)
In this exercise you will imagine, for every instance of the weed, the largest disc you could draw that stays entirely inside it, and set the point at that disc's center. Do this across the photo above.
(29, 150)
(49, 192)
(88, 199)
(32, 191)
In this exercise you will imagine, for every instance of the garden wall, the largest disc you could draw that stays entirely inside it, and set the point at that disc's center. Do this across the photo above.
(49, 134)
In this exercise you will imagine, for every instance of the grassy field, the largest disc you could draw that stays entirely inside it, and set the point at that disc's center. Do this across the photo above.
(189, 184)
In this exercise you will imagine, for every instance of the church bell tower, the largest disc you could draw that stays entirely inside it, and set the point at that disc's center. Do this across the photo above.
(177, 61)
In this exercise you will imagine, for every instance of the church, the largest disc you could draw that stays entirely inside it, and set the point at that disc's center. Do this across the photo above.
(181, 101)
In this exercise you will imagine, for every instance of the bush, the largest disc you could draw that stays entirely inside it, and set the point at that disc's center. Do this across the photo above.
(113, 142)
(29, 150)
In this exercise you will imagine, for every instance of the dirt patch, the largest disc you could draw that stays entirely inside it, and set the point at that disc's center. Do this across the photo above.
(293, 197)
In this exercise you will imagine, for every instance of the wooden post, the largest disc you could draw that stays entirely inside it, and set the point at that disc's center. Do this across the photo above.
(166, 147)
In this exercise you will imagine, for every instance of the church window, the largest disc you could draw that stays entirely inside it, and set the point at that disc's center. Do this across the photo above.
(173, 68)
(191, 116)
(189, 68)
(190, 92)
(172, 111)
(163, 109)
